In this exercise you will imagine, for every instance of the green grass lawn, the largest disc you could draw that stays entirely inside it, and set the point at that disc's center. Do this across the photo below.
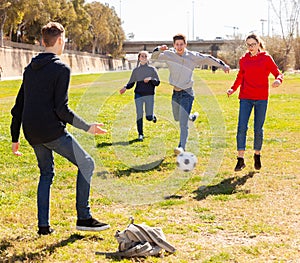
(211, 214)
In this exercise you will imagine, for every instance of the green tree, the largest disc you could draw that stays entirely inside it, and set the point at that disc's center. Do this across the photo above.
(15, 16)
(107, 33)
(117, 35)
(94, 26)
(4, 7)
(25, 18)
(42, 12)
(78, 27)
(99, 26)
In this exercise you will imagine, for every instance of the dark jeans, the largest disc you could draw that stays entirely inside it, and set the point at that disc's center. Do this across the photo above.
(140, 101)
(182, 102)
(69, 148)
(260, 109)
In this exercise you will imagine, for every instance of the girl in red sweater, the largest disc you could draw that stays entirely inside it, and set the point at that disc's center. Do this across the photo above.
(252, 78)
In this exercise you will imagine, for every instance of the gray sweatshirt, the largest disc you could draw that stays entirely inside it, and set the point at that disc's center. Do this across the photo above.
(181, 67)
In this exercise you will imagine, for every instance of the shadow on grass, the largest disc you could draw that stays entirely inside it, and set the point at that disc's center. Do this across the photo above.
(119, 256)
(226, 187)
(37, 256)
(156, 165)
(107, 144)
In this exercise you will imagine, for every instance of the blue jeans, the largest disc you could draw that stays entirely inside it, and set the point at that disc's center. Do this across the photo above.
(69, 148)
(260, 109)
(182, 102)
(140, 101)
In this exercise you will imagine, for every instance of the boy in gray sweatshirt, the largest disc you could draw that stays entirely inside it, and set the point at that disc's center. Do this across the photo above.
(181, 63)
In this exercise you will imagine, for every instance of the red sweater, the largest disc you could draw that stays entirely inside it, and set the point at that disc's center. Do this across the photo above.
(252, 77)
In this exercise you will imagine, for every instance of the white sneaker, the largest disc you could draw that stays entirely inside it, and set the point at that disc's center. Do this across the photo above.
(178, 150)
(194, 116)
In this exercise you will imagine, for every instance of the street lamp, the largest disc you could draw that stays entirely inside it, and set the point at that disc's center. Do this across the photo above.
(188, 26)
(262, 26)
(193, 2)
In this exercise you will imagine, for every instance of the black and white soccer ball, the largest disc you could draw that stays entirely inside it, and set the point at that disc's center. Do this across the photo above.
(186, 161)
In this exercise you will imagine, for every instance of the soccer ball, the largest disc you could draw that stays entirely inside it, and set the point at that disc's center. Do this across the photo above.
(186, 161)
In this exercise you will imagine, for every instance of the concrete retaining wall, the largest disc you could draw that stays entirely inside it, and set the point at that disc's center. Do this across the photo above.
(14, 60)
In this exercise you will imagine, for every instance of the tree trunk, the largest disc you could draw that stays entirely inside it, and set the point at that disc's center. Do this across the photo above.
(2, 21)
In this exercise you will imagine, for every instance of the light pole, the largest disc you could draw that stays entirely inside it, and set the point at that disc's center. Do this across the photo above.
(262, 26)
(235, 28)
(188, 25)
(193, 3)
(268, 18)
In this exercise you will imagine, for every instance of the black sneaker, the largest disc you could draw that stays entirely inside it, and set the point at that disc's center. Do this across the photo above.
(240, 164)
(154, 119)
(257, 162)
(45, 230)
(91, 224)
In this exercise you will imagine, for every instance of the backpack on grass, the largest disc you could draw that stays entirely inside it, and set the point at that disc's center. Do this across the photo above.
(140, 240)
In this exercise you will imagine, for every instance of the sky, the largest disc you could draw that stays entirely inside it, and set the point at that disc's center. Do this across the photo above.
(197, 19)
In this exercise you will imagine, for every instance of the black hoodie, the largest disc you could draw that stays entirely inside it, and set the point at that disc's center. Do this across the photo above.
(42, 102)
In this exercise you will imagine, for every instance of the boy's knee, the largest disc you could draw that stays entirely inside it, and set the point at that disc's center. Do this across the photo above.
(91, 163)
(89, 166)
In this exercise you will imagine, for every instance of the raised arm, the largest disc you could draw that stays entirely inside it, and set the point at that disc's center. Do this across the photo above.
(204, 59)
(158, 52)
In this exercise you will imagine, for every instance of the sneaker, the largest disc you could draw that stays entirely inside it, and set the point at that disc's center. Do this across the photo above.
(91, 224)
(178, 150)
(154, 119)
(257, 162)
(240, 164)
(193, 116)
(141, 138)
(45, 230)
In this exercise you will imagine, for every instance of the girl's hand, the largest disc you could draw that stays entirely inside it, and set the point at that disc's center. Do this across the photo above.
(229, 92)
(122, 90)
(146, 80)
(276, 83)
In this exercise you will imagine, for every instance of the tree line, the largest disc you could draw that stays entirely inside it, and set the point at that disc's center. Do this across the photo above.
(96, 28)
(91, 27)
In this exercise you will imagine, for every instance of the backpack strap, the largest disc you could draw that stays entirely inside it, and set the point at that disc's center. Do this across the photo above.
(137, 234)
(139, 250)
(157, 236)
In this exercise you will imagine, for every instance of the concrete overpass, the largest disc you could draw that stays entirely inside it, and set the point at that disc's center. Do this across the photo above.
(202, 46)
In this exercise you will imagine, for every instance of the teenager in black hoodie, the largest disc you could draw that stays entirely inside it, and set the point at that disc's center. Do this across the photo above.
(41, 108)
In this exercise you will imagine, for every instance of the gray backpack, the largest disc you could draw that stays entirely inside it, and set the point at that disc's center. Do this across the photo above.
(140, 240)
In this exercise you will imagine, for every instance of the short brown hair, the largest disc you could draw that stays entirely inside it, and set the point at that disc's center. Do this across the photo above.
(51, 32)
(179, 37)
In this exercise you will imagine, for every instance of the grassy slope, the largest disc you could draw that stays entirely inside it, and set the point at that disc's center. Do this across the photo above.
(215, 215)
